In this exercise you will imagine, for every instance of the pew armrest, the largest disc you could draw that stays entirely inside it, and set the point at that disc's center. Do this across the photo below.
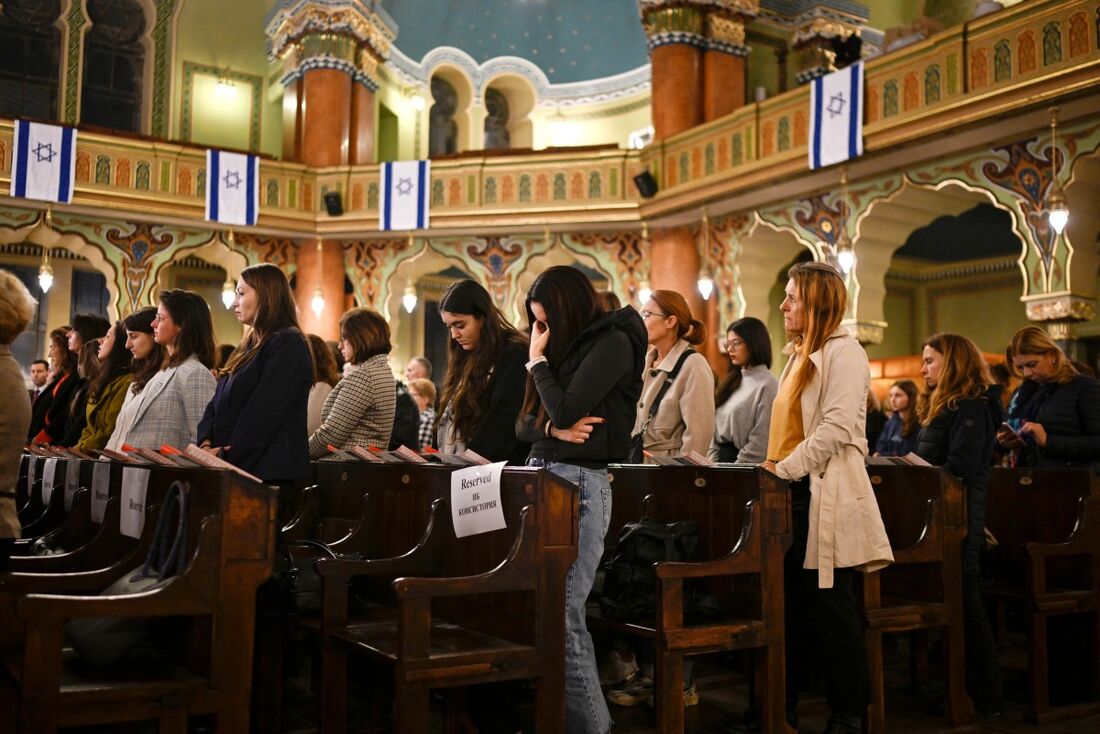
(744, 557)
(300, 527)
(1081, 540)
(929, 546)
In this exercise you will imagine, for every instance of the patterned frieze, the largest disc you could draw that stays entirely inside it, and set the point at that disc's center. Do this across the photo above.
(1063, 307)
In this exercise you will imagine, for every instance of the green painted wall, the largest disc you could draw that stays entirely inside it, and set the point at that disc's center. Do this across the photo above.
(225, 34)
(889, 13)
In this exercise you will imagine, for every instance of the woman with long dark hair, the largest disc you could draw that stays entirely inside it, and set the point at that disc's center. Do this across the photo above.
(483, 389)
(107, 390)
(146, 358)
(584, 382)
(743, 400)
(52, 414)
(959, 415)
(257, 418)
(676, 413)
(899, 435)
(168, 409)
(817, 441)
(87, 367)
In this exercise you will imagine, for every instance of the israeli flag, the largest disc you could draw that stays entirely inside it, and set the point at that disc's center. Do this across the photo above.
(405, 187)
(44, 162)
(232, 187)
(836, 112)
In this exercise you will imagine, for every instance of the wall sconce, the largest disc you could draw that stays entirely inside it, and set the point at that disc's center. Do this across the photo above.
(705, 282)
(45, 272)
(225, 88)
(1057, 206)
(317, 303)
(409, 299)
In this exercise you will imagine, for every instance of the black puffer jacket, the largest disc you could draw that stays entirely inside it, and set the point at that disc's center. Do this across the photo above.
(961, 440)
(600, 375)
(1070, 414)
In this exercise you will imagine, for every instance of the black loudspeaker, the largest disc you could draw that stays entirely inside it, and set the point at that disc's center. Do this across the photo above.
(332, 203)
(647, 185)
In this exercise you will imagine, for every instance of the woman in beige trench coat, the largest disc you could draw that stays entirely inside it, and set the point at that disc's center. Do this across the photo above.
(817, 442)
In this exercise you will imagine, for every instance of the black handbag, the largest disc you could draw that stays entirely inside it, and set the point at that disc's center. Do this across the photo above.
(637, 455)
(102, 641)
(295, 587)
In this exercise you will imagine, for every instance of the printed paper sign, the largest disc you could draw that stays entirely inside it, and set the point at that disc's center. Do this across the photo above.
(475, 499)
(31, 464)
(135, 482)
(49, 470)
(101, 487)
(72, 482)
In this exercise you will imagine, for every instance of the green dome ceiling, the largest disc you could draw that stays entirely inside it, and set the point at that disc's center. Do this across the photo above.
(569, 40)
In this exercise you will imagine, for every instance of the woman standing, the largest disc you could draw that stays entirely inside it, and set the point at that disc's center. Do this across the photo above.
(87, 367)
(1059, 412)
(359, 411)
(257, 418)
(585, 366)
(325, 376)
(899, 435)
(743, 401)
(168, 409)
(147, 357)
(483, 389)
(107, 390)
(959, 416)
(818, 442)
(51, 416)
(676, 413)
(16, 311)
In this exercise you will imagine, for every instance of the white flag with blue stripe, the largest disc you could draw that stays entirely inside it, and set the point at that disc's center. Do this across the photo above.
(43, 162)
(836, 116)
(232, 187)
(405, 188)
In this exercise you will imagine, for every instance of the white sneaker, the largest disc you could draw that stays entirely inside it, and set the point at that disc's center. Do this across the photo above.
(615, 670)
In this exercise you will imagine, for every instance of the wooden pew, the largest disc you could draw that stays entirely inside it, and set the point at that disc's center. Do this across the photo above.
(1047, 562)
(484, 608)
(743, 515)
(232, 527)
(924, 511)
(78, 526)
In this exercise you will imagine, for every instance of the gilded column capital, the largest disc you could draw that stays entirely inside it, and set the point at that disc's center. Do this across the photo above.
(726, 21)
(674, 22)
(814, 33)
(1064, 307)
(354, 36)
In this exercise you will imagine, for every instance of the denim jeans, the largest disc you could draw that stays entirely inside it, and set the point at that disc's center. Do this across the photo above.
(585, 709)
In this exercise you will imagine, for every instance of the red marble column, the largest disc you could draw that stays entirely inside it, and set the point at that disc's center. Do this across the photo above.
(324, 270)
(326, 108)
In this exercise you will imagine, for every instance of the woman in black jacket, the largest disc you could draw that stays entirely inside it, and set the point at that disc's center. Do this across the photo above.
(1060, 420)
(959, 415)
(483, 389)
(51, 410)
(585, 380)
(257, 417)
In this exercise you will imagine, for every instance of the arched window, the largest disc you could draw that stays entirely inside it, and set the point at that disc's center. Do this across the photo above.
(496, 121)
(443, 130)
(30, 61)
(114, 65)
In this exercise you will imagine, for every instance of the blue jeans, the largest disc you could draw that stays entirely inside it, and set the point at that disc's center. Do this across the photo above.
(585, 709)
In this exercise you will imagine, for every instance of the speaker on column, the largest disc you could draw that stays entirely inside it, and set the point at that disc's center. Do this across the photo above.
(647, 185)
(333, 205)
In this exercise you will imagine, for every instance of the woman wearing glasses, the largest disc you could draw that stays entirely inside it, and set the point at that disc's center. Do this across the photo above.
(676, 412)
(744, 397)
(168, 409)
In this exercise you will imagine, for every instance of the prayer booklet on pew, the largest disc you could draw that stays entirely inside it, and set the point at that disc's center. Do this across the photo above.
(38, 450)
(177, 457)
(149, 455)
(465, 458)
(210, 461)
(909, 459)
(691, 458)
(110, 455)
(366, 454)
(407, 454)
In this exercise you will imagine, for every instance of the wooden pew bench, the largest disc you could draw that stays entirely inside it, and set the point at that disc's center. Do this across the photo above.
(924, 512)
(743, 516)
(210, 606)
(1046, 564)
(484, 608)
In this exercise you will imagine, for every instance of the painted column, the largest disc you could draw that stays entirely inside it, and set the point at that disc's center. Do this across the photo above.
(322, 270)
(725, 58)
(330, 53)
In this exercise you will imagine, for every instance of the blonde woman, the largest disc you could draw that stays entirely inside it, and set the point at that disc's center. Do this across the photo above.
(16, 311)
(817, 441)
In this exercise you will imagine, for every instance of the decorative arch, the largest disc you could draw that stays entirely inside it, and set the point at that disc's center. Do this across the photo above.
(522, 98)
(464, 91)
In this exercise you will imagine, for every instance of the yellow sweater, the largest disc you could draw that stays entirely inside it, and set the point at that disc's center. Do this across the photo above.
(786, 430)
(103, 412)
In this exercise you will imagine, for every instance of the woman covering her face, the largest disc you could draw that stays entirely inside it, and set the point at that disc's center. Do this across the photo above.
(257, 418)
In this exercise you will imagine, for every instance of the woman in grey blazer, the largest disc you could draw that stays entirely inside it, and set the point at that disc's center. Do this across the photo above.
(168, 410)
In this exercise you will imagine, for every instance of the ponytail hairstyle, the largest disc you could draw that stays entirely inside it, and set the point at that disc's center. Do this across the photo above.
(688, 328)
(1033, 340)
(758, 341)
(824, 302)
(117, 363)
(965, 375)
(275, 310)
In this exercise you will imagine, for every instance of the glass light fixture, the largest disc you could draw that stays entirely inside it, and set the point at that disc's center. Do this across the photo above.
(409, 299)
(226, 88)
(229, 294)
(1057, 206)
(705, 284)
(317, 303)
(843, 249)
(45, 272)
(644, 292)
(418, 102)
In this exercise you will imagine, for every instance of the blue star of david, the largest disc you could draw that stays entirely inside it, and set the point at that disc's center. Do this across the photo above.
(232, 180)
(836, 105)
(404, 186)
(44, 152)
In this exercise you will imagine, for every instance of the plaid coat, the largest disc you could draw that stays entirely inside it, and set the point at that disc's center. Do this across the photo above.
(172, 404)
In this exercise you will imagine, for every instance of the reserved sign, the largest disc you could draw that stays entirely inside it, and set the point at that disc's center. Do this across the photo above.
(475, 499)
(135, 482)
(101, 488)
